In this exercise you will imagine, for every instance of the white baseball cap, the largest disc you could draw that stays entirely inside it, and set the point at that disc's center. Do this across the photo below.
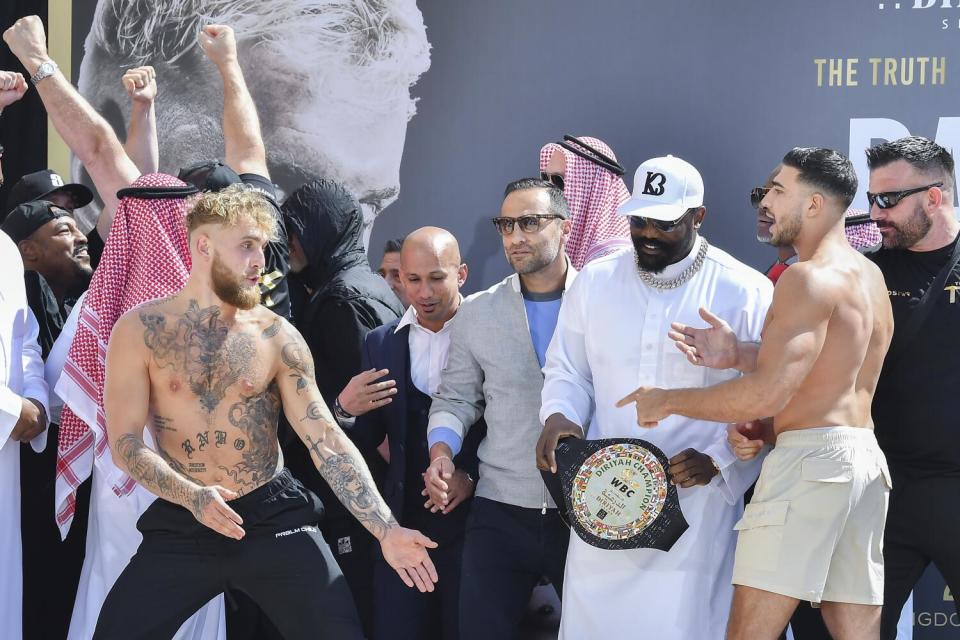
(663, 189)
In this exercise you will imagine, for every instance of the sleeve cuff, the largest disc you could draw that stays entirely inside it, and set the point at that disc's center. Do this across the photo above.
(447, 436)
(448, 420)
(10, 404)
(565, 409)
(723, 457)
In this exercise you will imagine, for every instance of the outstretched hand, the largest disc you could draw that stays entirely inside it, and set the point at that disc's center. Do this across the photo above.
(141, 84)
(12, 87)
(649, 404)
(218, 43)
(366, 392)
(406, 551)
(714, 346)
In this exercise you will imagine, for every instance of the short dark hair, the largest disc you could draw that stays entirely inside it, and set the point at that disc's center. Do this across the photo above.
(825, 169)
(558, 205)
(924, 155)
(393, 245)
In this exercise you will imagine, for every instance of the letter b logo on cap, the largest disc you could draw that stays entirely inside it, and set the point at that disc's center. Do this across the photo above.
(654, 185)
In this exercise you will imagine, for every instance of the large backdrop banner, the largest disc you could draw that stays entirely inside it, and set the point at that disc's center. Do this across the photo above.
(425, 110)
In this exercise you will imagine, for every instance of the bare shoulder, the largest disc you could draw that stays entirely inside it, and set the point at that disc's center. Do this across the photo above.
(809, 287)
(143, 316)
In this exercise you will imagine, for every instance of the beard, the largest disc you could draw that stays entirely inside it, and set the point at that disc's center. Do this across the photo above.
(656, 263)
(230, 288)
(787, 231)
(909, 232)
(539, 258)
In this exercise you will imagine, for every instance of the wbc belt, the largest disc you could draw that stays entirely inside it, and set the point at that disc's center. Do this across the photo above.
(616, 493)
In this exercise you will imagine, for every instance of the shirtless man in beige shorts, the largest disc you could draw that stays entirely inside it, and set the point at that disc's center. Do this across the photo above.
(814, 529)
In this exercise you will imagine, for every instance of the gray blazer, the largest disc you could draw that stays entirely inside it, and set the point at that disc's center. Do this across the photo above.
(492, 371)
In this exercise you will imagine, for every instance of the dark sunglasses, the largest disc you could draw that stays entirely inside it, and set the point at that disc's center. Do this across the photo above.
(666, 226)
(757, 194)
(553, 178)
(528, 223)
(890, 199)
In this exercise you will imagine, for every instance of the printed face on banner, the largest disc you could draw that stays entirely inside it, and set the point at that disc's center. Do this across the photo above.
(331, 81)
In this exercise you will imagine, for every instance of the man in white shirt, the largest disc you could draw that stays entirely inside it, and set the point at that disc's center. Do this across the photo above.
(413, 351)
(612, 333)
(23, 418)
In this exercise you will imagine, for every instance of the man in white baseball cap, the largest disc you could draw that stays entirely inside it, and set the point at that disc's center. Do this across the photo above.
(612, 332)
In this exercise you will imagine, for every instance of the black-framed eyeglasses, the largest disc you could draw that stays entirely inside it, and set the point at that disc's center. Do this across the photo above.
(757, 194)
(530, 223)
(666, 226)
(890, 199)
(553, 178)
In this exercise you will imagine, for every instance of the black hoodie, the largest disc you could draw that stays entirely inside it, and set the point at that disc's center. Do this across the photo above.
(348, 299)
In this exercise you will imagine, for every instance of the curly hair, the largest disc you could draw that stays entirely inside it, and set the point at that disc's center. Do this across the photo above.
(231, 206)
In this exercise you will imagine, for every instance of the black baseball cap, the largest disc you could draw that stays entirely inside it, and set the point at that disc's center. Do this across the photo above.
(210, 175)
(26, 218)
(40, 185)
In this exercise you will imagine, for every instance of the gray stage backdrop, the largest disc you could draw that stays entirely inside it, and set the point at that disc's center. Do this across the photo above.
(728, 85)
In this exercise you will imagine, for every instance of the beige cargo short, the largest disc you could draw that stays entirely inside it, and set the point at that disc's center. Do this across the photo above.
(814, 529)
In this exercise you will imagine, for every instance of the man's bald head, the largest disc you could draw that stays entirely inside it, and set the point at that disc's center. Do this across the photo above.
(432, 275)
(433, 241)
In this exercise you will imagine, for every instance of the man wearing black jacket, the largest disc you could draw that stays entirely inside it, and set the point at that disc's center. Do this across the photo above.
(413, 351)
(344, 301)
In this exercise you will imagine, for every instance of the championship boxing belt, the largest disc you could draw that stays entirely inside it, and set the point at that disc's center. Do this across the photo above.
(616, 493)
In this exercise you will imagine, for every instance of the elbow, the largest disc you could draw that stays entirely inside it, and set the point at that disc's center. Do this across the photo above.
(769, 402)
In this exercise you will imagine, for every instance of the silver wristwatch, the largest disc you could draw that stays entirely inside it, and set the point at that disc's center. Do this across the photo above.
(45, 70)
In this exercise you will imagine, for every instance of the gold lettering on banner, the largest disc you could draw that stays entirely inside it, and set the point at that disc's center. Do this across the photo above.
(919, 71)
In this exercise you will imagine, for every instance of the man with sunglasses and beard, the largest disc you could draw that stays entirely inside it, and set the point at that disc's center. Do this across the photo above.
(498, 342)
(911, 194)
(612, 333)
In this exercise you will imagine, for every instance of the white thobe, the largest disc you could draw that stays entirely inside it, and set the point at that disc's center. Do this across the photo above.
(611, 338)
(21, 376)
(112, 536)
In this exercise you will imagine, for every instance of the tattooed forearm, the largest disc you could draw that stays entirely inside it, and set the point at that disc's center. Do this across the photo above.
(342, 466)
(151, 470)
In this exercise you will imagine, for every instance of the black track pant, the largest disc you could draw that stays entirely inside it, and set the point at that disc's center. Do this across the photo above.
(923, 526)
(282, 563)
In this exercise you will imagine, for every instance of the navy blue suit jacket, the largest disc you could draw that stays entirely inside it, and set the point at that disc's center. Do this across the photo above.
(386, 348)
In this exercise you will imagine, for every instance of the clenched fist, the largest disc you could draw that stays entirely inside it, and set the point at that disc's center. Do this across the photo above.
(141, 84)
(12, 88)
(218, 43)
(28, 41)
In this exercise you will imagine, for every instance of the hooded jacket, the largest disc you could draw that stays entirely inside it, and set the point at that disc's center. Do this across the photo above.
(348, 299)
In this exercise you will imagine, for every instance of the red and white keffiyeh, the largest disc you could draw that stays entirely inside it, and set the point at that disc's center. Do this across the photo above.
(146, 256)
(863, 235)
(593, 195)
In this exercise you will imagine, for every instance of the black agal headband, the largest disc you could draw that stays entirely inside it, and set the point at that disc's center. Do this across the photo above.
(584, 150)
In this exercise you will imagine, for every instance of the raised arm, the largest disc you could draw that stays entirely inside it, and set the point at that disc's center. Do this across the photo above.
(126, 398)
(792, 341)
(243, 143)
(84, 130)
(141, 145)
(342, 466)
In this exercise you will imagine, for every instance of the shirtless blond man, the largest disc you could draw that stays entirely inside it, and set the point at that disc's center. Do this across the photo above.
(814, 529)
(209, 370)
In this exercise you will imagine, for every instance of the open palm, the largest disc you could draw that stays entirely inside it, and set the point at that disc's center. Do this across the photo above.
(714, 346)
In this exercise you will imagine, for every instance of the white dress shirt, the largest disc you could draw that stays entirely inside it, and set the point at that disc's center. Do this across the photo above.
(612, 338)
(428, 351)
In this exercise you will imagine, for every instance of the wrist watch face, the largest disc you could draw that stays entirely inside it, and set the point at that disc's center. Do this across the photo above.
(45, 69)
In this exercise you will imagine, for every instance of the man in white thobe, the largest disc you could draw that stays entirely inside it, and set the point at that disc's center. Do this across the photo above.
(611, 336)
(23, 418)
